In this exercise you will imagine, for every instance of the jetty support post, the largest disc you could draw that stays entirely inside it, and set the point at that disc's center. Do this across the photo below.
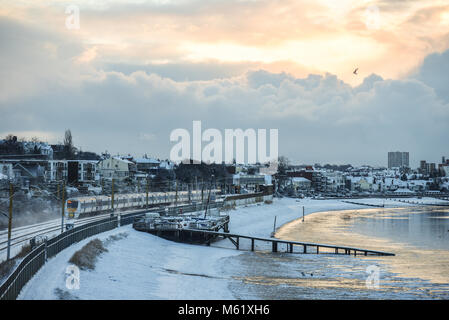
(235, 242)
(274, 246)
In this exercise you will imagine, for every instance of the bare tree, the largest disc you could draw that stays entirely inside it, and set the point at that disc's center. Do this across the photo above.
(10, 137)
(68, 145)
(283, 166)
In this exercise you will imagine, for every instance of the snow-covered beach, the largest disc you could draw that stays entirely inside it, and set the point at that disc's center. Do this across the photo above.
(143, 266)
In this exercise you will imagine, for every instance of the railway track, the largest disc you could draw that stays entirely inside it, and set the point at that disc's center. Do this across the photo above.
(22, 235)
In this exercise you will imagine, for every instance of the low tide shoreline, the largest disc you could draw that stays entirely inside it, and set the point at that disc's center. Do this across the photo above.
(162, 269)
(337, 227)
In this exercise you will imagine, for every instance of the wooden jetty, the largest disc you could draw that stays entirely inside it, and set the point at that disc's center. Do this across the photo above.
(173, 227)
(209, 236)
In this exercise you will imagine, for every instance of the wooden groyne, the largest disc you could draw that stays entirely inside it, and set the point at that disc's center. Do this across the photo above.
(276, 244)
(422, 203)
(364, 204)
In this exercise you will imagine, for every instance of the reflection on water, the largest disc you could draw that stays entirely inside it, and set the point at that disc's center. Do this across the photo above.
(426, 228)
(420, 270)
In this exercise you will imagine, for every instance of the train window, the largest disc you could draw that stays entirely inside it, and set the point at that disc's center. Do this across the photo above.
(73, 204)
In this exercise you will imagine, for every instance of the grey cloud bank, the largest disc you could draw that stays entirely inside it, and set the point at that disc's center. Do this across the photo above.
(320, 118)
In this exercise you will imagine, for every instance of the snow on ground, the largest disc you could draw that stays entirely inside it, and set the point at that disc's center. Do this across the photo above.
(140, 266)
(143, 266)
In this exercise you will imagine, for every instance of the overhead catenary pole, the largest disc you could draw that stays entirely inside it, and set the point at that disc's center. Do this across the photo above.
(112, 195)
(208, 200)
(147, 193)
(62, 206)
(11, 192)
(202, 190)
(176, 194)
(189, 187)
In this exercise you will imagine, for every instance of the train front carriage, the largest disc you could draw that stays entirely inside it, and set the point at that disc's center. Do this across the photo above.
(72, 208)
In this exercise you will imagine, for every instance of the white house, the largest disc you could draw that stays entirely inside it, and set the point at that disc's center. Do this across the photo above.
(300, 183)
(116, 168)
(6, 169)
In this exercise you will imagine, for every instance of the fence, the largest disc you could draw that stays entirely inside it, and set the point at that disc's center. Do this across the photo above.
(11, 288)
(170, 211)
(173, 211)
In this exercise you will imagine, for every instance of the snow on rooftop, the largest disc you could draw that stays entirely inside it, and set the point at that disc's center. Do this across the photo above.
(124, 160)
(147, 160)
(300, 179)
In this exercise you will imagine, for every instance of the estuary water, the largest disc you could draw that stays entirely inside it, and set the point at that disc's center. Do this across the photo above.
(419, 237)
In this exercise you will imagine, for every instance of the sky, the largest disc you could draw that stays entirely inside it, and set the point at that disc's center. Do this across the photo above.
(121, 75)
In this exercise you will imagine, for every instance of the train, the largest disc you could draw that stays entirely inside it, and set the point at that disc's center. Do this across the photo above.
(90, 205)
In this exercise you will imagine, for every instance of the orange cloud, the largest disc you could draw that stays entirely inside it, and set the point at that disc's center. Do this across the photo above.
(389, 38)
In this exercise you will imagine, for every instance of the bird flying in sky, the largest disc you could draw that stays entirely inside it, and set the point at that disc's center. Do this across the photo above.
(355, 71)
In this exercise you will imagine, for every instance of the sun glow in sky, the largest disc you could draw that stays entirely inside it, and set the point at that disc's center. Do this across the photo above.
(150, 66)
(389, 38)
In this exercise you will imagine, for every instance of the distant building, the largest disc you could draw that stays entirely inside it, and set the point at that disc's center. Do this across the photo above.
(335, 181)
(300, 183)
(319, 181)
(14, 149)
(59, 151)
(445, 170)
(6, 169)
(147, 165)
(56, 170)
(431, 168)
(423, 166)
(71, 171)
(398, 159)
(443, 167)
(38, 148)
(116, 168)
(166, 165)
(251, 181)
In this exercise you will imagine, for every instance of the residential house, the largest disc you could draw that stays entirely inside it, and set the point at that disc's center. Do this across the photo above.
(116, 168)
